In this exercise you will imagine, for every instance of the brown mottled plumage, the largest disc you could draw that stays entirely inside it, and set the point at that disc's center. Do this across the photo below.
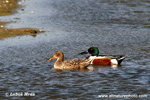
(71, 64)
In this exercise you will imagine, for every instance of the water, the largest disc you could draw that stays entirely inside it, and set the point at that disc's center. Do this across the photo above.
(115, 27)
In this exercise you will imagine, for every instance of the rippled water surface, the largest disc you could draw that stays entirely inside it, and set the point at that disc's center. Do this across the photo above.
(114, 26)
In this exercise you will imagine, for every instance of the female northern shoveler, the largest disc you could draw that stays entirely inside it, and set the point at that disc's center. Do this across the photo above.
(71, 64)
(103, 60)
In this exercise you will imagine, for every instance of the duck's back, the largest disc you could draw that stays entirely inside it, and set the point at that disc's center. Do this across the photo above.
(76, 63)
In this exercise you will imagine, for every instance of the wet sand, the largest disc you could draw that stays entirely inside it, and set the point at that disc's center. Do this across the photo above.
(5, 33)
(8, 8)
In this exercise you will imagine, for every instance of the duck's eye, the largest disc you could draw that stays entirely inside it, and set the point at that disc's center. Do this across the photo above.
(58, 54)
(91, 50)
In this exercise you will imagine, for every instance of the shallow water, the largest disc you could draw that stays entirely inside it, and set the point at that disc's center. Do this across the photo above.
(115, 27)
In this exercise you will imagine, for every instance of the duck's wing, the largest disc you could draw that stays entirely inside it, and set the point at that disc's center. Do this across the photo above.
(84, 62)
(76, 63)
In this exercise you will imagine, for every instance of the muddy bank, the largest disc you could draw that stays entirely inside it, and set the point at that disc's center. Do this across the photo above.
(9, 7)
(4, 33)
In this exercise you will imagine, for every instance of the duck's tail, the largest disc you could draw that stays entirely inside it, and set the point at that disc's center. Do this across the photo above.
(120, 59)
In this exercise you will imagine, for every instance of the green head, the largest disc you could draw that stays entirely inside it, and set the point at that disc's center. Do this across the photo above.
(93, 51)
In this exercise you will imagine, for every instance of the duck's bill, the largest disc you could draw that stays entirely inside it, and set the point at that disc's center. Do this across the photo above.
(85, 52)
(51, 58)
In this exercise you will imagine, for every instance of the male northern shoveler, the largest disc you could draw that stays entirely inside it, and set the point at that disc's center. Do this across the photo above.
(71, 64)
(103, 60)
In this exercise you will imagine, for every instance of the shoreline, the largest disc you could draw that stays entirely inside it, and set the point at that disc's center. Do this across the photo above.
(8, 8)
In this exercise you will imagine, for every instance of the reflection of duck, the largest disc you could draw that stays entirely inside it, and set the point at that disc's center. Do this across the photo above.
(71, 64)
(103, 60)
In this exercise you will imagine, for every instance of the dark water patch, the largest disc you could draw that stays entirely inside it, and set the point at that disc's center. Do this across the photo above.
(101, 12)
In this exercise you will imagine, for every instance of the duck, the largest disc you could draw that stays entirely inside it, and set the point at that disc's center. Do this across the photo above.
(103, 60)
(72, 64)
